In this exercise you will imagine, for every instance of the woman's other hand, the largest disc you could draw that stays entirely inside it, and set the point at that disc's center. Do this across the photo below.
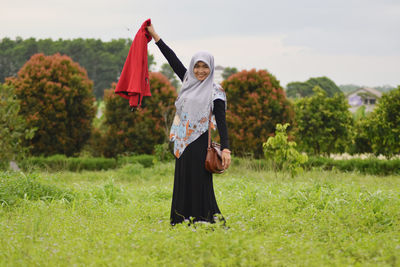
(226, 158)
(153, 33)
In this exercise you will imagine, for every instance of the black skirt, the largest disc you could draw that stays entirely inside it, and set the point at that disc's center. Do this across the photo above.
(193, 194)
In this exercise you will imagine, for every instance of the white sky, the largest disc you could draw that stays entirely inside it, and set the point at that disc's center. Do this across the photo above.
(349, 41)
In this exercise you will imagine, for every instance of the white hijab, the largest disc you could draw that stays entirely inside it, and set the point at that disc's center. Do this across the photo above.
(193, 105)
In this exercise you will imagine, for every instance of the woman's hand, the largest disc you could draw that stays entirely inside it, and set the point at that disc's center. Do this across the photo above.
(226, 158)
(153, 33)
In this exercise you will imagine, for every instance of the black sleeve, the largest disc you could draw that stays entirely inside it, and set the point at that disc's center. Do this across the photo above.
(219, 112)
(172, 59)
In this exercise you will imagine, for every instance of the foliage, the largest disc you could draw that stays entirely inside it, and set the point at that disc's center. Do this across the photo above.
(102, 60)
(347, 88)
(304, 89)
(282, 153)
(14, 188)
(323, 123)
(140, 131)
(383, 125)
(145, 160)
(256, 103)
(318, 219)
(63, 163)
(372, 166)
(13, 128)
(228, 72)
(56, 98)
(360, 143)
(168, 72)
(163, 152)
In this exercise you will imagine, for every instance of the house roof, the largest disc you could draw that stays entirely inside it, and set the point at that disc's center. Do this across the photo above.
(372, 91)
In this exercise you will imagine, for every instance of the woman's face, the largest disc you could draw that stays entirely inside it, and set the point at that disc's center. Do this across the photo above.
(201, 70)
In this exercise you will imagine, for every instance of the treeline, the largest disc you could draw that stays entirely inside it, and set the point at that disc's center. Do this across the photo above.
(103, 61)
(48, 108)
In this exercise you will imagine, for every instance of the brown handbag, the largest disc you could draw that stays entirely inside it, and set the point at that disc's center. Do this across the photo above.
(214, 154)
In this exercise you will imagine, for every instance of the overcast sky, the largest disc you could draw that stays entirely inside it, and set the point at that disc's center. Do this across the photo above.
(349, 41)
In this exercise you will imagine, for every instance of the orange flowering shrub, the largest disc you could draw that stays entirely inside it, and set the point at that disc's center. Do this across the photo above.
(57, 98)
(256, 103)
(139, 131)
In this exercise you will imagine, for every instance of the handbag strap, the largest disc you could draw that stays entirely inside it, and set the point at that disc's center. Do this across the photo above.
(209, 128)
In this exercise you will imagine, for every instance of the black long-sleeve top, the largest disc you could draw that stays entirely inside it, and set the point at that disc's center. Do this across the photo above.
(219, 105)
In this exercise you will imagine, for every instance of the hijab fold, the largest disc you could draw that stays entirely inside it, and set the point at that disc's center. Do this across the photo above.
(193, 105)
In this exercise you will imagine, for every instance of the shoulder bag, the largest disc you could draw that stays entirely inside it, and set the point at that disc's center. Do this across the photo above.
(214, 155)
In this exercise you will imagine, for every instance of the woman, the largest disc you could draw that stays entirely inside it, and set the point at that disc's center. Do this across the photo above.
(193, 195)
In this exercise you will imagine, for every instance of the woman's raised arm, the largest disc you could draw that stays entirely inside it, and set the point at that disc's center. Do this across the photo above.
(171, 57)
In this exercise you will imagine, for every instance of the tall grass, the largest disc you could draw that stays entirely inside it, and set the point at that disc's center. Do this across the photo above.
(121, 218)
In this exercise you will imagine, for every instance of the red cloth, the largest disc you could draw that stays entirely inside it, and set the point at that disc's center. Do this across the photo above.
(134, 83)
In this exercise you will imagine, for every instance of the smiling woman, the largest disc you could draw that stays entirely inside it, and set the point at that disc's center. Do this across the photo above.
(201, 70)
(193, 195)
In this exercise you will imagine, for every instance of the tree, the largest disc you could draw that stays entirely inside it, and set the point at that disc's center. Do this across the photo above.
(303, 89)
(256, 103)
(102, 60)
(228, 71)
(347, 88)
(323, 123)
(282, 153)
(168, 72)
(13, 127)
(140, 131)
(56, 98)
(383, 125)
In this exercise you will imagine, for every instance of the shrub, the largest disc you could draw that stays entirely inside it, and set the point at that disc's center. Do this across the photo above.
(256, 103)
(163, 152)
(145, 160)
(16, 187)
(13, 128)
(56, 97)
(372, 166)
(282, 153)
(383, 125)
(61, 162)
(361, 143)
(138, 132)
(323, 123)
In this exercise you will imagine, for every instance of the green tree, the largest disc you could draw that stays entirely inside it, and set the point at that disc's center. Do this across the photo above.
(168, 72)
(256, 103)
(56, 98)
(347, 88)
(303, 89)
(383, 125)
(102, 60)
(228, 72)
(282, 153)
(13, 127)
(138, 132)
(323, 123)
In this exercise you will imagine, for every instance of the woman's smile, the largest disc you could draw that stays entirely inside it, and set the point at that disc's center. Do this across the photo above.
(201, 70)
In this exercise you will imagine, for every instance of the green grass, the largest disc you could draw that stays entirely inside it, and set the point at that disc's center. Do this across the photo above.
(121, 218)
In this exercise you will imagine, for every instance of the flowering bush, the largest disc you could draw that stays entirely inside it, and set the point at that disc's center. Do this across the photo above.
(139, 131)
(56, 97)
(256, 103)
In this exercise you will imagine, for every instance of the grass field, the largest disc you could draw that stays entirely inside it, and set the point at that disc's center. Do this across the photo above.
(121, 218)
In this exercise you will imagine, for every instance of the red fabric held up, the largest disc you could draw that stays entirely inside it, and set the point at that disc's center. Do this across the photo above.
(133, 84)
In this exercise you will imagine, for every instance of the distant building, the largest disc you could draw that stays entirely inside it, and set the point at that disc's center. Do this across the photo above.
(367, 97)
(218, 74)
